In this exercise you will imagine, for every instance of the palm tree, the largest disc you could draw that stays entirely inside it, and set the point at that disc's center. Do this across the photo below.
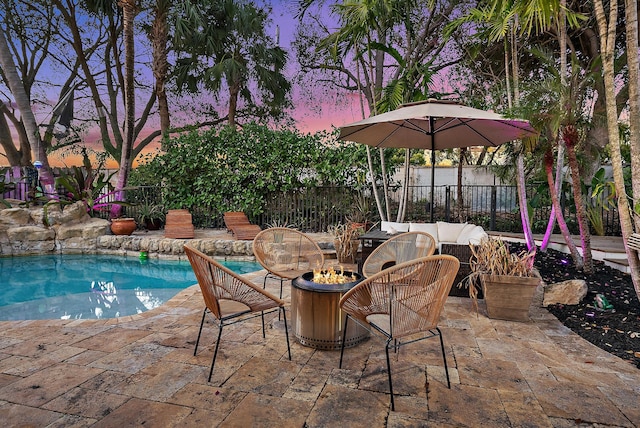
(631, 20)
(607, 33)
(502, 20)
(523, 17)
(381, 50)
(224, 46)
(159, 36)
(129, 11)
(27, 117)
(558, 108)
(360, 22)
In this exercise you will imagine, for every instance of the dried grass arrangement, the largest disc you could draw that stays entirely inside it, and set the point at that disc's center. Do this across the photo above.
(493, 257)
(345, 241)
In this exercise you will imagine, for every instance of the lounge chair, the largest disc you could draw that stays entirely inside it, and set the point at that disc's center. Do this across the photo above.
(239, 226)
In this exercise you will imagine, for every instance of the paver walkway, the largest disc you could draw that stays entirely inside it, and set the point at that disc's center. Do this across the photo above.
(140, 370)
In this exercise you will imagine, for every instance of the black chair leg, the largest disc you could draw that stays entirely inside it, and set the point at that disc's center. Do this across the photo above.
(281, 281)
(204, 313)
(386, 349)
(262, 318)
(344, 338)
(286, 330)
(444, 357)
(264, 286)
(215, 353)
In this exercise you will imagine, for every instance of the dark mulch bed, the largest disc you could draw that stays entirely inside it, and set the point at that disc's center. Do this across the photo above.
(616, 331)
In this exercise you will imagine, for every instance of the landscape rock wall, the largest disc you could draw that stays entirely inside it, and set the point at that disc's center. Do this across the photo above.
(69, 229)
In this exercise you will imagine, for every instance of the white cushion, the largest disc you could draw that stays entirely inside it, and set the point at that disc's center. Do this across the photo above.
(463, 238)
(430, 228)
(449, 232)
(477, 235)
(385, 226)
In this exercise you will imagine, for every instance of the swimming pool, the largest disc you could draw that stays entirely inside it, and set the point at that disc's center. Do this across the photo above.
(91, 286)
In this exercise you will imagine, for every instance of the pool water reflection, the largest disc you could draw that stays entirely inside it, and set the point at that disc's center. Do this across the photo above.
(91, 286)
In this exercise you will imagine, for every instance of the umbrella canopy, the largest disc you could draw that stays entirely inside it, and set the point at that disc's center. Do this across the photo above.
(436, 125)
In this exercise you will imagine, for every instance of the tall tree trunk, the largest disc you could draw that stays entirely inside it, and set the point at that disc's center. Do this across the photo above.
(631, 19)
(520, 178)
(555, 211)
(374, 186)
(373, 108)
(570, 136)
(15, 156)
(522, 198)
(555, 186)
(159, 38)
(506, 73)
(405, 187)
(564, 230)
(129, 10)
(385, 182)
(31, 126)
(607, 32)
(234, 90)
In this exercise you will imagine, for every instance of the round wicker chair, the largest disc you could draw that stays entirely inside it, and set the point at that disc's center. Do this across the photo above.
(402, 304)
(399, 249)
(230, 298)
(286, 253)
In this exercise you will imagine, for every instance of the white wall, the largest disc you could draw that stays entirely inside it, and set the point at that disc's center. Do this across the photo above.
(471, 175)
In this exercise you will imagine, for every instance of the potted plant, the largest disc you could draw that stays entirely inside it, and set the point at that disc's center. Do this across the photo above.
(150, 214)
(123, 225)
(345, 241)
(361, 212)
(508, 280)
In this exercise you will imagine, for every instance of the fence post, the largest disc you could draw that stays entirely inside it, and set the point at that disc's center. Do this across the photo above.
(494, 207)
(447, 203)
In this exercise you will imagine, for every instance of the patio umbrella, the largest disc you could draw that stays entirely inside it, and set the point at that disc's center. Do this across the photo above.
(436, 125)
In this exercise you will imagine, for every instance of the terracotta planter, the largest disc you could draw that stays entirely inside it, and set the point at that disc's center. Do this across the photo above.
(123, 226)
(509, 297)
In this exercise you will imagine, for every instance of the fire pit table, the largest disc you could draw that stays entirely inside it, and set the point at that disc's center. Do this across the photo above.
(316, 317)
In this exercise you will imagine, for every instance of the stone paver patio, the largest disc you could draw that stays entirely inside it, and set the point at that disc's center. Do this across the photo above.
(141, 370)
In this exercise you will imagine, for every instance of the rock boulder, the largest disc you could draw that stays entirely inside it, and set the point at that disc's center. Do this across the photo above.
(567, 292)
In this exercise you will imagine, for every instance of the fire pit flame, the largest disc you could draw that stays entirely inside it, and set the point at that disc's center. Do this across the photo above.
(330, 276)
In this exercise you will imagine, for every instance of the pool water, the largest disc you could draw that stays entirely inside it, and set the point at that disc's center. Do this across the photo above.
(92, 286)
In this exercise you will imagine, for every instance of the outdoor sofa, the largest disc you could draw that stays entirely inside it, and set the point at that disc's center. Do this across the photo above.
(451, 238)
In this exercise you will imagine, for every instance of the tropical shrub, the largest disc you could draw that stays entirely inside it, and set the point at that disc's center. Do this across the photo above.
(237, 170)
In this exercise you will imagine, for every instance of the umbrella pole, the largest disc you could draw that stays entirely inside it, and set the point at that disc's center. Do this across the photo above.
(433, 175)
(432, 123)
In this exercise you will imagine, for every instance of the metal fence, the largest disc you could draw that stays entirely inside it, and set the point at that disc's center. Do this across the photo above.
(495, 207)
